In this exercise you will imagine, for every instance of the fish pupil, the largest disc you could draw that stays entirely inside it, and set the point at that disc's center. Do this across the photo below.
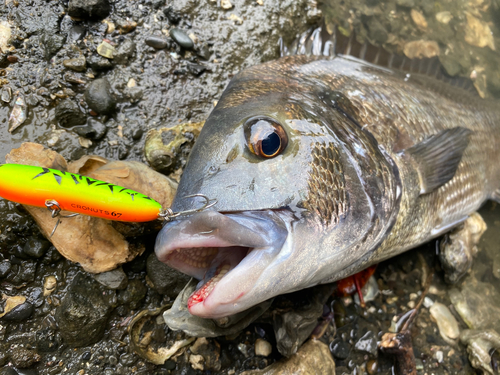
(271, 144)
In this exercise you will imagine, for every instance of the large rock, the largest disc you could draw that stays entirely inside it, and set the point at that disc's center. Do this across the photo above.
(165, 279)
(83, 313)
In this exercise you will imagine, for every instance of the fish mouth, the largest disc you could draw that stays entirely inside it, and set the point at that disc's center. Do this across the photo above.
(226, 252)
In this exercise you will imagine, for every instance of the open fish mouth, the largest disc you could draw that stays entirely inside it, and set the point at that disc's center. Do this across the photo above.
(226, 252)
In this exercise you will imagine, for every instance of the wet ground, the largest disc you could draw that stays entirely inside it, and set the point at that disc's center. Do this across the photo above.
(155, 79)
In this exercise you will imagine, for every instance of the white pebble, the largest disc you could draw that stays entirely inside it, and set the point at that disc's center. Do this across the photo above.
(262, 347)
(428, 302)
(439, 356)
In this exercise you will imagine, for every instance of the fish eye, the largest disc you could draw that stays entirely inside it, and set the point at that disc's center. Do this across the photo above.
(265, 137)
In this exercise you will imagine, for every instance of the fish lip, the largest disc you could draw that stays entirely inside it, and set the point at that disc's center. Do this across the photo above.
(235, 235)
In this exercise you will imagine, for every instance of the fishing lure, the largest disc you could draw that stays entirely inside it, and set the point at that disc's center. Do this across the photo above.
(58, 190)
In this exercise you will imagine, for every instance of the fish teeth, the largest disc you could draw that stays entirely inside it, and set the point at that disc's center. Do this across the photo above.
(196, 257)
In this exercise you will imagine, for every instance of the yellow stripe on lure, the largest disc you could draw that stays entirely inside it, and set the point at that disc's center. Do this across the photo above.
(35, 186)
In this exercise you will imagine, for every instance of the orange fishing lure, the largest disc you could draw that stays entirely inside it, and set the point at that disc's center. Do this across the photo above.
(36, 186)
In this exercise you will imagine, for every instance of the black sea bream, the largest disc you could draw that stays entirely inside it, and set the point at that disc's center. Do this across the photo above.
(321, 167)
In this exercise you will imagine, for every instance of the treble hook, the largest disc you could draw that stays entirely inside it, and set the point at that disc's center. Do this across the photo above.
(53, 206)
(170, 215)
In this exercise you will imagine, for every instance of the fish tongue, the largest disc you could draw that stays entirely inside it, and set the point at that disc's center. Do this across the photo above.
(227, 259)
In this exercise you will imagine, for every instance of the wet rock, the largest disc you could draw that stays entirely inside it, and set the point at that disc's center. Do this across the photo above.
(83, 313)
(106, 50)
(209, 350)
(173, 16)
(89, 9)
(179, 318)
(6, 94)
(165, 279)
(114, 279)
(98, 96)
(68, 114)
(367, 343)
(196, 69)
(197, 362)
(124, 51)
(417, 49)
(340, 349)
(133, 294)
(313, 358)
(93, 130)
(156, 42)
(51, 43)
(78, 64)
(263, 348)
(19, 313)
(35, 247)
(49, 285)
(478, 33)
(24, 358)
(5, 267)
(126, 26)
(47, 340)
(76, 32)
(181, 38)
(19, 114)
(99, 63)
(446, 322)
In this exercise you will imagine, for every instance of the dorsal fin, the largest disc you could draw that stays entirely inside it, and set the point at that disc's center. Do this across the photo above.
(317, 41)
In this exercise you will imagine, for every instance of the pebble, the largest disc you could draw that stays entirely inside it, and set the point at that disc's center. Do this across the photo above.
(411, 304)
(19, 114)
(263, 348)
(124, 51)
(69, 114)
(157, 42)
(340, 349)
(6, 94)
(172, 16)
(35, 247)
(372, 366)
(5, 267)
(98, 97)
(106, 50)
(126, 26)
(428, 302)
(478, 33)
(196, 69)
(133, 294)
(49, 285)
(446, 322)
(93, 130)
(127, 359)
(78, 64)
(367, 343)
(419, 19)
(99, 63)
(439, 356)
(417, 49)
(20, 312)
(114, 279)
(226, 4)
(24, 358)
(89, 9)
(444, 17)
(181, 38)
(196, 361)
(165, 279)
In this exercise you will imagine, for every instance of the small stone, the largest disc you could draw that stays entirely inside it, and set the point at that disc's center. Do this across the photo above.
(35, 247)
(173, 16)
(367, 343)
(428, 302)
(20, 312)
(126, 26)
(93, 130)
(49, 285)
(5, 35)
(446, 322)
(166, 280)
(181, 38)
(263, 348)
(124, 51)
(98, 96)
(340, 349)
(237, 20)
(157, 42)
(19, 114)
(413, 296)
(444, 17)
(89, 9)
(106, 50)
(226, 4)
(196, 69)
(411, 304)
(133, 294)
(76, 32)
(99, 63)
(5, 267)
(69, 114)
(24, 358)
(478, 33)
(114, 279)
(421, 48)
(127, 359)
(419, 19)
(196, 361)
(439, 356)
(372, 366)
(78, 64)
(111, 26)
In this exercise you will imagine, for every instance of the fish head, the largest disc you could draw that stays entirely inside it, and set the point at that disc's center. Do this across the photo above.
(293, 209)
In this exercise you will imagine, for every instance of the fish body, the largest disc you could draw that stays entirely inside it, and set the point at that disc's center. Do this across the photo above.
(322, 167)
(34, 186)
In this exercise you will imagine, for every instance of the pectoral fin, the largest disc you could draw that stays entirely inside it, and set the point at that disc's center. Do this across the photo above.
(438, 157)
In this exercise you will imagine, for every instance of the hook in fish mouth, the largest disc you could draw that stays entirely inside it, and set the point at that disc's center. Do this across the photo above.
(228, 252)
(168, 214)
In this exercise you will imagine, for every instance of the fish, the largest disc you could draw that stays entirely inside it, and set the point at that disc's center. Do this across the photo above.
(321, 167)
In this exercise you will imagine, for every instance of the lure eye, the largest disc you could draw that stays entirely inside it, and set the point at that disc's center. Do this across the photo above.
(265, 137)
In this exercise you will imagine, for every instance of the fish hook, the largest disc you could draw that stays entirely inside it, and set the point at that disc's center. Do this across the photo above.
(53, 206)
(170, 215)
